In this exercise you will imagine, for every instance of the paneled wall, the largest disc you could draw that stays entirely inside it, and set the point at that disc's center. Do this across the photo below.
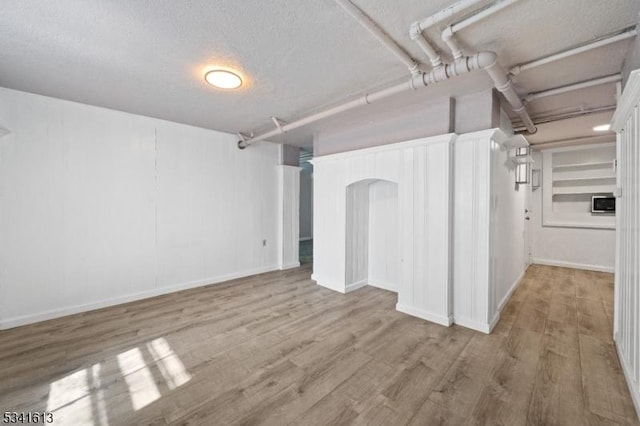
(421, 170)
(488, 246)
(289, 216)
(627, 281)
(98, 207)
(383, 236)
(455, 264)
(472, 190)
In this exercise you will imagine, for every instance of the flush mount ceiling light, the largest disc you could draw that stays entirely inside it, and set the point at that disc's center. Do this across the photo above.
(223, 79)
(602, 128)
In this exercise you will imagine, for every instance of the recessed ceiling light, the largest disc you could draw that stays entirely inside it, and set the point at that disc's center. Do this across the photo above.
(223, 79)
(602, 128)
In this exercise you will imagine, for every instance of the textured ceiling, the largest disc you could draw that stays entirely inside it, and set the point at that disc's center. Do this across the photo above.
(148, 56)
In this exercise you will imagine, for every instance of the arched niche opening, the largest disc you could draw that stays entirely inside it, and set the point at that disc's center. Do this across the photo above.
(372, 251)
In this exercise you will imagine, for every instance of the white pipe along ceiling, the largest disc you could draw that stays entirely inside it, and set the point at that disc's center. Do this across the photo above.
(440, 72)
(603, 41)
(519, 128)
(576, 86)
(443, 71)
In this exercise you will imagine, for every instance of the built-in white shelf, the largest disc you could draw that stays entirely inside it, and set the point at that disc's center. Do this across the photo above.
(597, 164)
(590, 189)
(589, 178)
(571, 176)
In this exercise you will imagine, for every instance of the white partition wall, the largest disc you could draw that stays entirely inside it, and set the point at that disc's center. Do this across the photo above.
(344, 193)
(627, 281)
(472, 187)
(384, 250)
(289, 216)
(417, 218)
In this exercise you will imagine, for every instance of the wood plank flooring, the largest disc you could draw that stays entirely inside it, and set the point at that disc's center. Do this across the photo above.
(278, 349)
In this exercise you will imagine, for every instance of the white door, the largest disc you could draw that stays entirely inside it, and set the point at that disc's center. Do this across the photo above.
(527, 217)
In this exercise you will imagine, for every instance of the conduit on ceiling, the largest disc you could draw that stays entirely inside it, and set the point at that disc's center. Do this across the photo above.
(441, 71)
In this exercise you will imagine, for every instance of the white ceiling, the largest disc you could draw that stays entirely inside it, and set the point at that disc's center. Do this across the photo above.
(149, 56)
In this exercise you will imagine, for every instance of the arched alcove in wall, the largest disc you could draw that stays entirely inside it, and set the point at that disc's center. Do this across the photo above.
(372, 252)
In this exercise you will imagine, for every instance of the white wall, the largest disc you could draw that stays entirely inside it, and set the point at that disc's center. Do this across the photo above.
(306, 201)
(99, 207)
(356, 235)
(471, 230)
(289, 216)
(384, 256)
(421, 168)
(509, 259)
(582, 248)
(385, 123)
(488, 230)
(626, 323)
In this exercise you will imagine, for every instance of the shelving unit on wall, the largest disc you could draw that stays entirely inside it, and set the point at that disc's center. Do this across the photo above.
(571, 176)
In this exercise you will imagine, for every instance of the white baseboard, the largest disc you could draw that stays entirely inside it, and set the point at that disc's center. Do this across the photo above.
(328, 285)
(633, 387)
(489, 326)
(354, 286)
(290, 266)
(563, 264)
(61, 312)
(385, 286)
(425, 315)
(507, 296)
(474, 325)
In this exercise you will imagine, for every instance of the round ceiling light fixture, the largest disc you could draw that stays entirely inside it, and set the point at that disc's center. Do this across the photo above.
(602, 128)
(223, 79)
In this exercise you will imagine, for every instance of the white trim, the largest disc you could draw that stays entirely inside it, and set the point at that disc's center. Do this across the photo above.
(473, 325)
(488, 327)
(354, 286)
(290, 266)
(447, 138)
(576, 224)
(425, 315)
(635, 394)
(563, 264)
(513, 288)
(339, 288)
(57, 313)
(627, 102)
(494, 321)
(385, 286)
(610, 140)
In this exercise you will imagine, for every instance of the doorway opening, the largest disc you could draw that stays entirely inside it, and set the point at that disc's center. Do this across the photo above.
(372, 251)
(305, 253)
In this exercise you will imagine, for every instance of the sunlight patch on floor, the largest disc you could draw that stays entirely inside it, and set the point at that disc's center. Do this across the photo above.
(142, 388)
(171, 368)
(79, 398)
(67, 390)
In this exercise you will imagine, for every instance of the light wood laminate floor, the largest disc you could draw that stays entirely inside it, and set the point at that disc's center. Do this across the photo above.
(278, 349)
